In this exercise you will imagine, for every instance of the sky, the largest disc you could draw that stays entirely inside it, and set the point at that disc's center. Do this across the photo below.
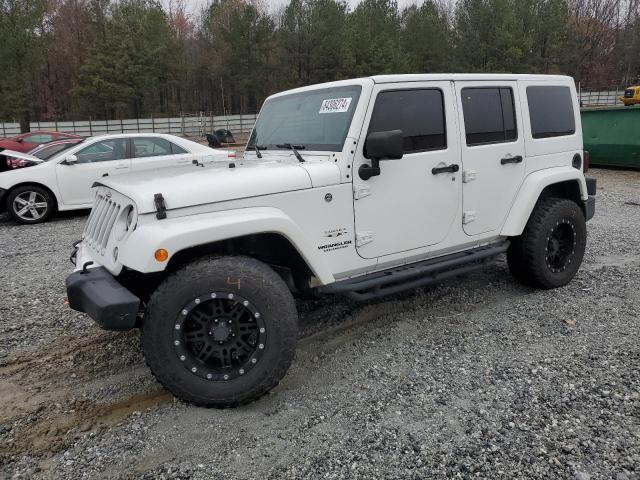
(196, 5)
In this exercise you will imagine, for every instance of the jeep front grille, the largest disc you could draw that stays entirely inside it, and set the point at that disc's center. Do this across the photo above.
(98, 228)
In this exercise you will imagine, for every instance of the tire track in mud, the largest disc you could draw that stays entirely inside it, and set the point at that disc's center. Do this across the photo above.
(46, 396)
(52, 395)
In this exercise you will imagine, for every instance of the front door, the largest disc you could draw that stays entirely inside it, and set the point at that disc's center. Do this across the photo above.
(98, 160)
(414, 201)
(493, 154)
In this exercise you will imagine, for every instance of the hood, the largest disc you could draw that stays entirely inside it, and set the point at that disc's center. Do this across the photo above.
(217, 182)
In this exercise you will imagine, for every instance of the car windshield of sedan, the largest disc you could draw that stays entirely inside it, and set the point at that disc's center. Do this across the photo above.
(48, 152)
(313, 120)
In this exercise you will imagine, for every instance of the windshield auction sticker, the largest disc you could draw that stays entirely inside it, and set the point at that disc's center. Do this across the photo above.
(335, 105)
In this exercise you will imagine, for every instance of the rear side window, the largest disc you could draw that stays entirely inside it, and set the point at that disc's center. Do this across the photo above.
(175, 149)
(550, 111)
(150, 147)
(489, 115)
(418, 113)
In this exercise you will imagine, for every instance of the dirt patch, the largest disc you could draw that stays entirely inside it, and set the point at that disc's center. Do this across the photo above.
(46, 396)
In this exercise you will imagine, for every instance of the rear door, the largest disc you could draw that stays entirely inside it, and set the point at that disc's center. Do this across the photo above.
(414, 201)
(156, 152)
(100, 159)
(493, 155)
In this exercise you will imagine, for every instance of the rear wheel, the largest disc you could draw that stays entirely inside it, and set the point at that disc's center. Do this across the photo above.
(220, 331)
(30, 204)
(550, 250)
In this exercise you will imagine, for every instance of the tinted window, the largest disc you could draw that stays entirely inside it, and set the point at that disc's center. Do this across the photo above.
(176, 149)
(418, 113)
(550, 111)
(104, 151)
(489, 115)
(315, 119)
(151, 147)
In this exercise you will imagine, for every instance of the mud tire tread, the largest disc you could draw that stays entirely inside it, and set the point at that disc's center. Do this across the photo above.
(263, 283)
(525, 256)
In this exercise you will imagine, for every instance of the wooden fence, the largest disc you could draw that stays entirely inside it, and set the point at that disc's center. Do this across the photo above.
(187, 125)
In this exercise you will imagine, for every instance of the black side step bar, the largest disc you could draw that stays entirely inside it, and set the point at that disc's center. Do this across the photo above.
(419, 274)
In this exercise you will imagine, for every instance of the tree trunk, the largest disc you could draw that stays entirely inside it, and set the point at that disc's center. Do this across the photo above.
(25, 121)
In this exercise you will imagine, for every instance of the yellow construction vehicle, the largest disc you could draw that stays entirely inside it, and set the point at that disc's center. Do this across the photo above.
(631, 94)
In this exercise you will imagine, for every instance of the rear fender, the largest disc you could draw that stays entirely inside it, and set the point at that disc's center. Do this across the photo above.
(530, 191)
(177, 234)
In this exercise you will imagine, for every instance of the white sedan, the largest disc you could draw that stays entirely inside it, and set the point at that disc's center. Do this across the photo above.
(34, 188)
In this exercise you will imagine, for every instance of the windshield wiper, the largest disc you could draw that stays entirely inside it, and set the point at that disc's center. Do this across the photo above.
(257, 149)
(293, 148)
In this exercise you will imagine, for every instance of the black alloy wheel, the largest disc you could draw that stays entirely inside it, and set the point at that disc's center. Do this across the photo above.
(220, 336)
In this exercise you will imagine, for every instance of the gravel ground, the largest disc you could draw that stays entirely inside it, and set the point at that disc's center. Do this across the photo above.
(477, 377)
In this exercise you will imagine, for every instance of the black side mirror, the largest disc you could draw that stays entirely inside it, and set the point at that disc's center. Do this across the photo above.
(378, 146)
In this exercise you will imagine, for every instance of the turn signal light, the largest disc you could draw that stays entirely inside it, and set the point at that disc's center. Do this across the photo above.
(161, 255)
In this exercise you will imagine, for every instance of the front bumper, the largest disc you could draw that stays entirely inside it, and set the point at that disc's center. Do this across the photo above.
(96, 292)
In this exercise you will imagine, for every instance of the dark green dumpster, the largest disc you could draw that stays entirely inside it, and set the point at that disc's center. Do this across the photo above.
(612, 135)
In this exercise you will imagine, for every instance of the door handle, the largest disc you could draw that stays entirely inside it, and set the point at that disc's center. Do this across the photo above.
(448, 169)
(516, 159)
(121, 166)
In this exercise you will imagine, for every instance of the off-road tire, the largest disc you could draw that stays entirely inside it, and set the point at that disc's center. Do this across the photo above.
(244, 277)
(43, 195)
(527, 254)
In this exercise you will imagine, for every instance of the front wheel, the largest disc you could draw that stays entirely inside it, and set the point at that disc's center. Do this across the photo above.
(30, 204)
(221, 331)
(550, 250)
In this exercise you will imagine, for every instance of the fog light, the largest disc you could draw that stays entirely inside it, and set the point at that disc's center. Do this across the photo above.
(161, 255)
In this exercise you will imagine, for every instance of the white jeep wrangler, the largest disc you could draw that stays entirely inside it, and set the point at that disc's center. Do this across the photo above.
(362, 187)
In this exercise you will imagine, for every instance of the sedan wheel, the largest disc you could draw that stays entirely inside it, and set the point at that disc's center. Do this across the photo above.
(30, 204)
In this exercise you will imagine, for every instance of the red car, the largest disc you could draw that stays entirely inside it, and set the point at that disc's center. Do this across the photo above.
(28, 141)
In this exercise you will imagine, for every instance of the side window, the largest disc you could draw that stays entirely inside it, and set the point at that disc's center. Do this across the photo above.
(550, 111)
(418, 113)
(175, 149)
(39, 138)
(104, 151)
(489, 115)
(150, 147)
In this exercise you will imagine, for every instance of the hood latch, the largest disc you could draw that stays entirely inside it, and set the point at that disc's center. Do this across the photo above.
(161, 206)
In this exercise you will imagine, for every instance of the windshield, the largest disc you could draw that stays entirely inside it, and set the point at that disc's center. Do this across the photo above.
(313, 120)
(45, 153)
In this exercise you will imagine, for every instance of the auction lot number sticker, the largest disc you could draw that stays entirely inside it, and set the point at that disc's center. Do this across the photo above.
(335, 105)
